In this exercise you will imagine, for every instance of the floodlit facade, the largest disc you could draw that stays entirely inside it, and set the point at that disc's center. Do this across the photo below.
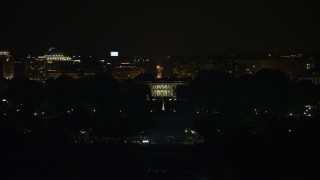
(7, 66)
(165, 89)
(51, 65)
(55, 56)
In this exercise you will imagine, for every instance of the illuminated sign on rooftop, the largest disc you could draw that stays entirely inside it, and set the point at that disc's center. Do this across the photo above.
(114, 54)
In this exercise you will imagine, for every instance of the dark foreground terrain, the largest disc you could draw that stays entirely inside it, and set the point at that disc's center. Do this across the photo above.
(243, 159)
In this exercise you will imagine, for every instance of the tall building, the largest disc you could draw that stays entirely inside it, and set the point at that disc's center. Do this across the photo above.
(7, 65)
(36, 69)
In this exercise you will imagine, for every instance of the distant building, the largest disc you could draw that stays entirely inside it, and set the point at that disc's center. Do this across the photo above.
(186, 71)
(313, 79)
(70, 74)
(52, 64)
(51, 55)
(4, 53)
(36, 69)
(292, 67)
(7, 65)
(126, 71)
(19, 69)
(57, 61)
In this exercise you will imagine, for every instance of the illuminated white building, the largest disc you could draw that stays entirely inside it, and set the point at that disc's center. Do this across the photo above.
(165, 89)
(4, 53)
(55, 57)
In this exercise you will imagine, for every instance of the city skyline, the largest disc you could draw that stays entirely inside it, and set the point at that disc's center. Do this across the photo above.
(157, 31)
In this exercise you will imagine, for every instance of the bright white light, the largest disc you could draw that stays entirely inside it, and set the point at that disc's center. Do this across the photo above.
(193, 132)
(145, 141)
(4, 100)
(114, 54)
(290, 130)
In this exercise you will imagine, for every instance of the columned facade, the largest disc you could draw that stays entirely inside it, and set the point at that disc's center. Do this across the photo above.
(164, 89)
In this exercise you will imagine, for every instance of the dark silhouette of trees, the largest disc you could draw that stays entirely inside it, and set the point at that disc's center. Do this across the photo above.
(145, 77)
(110, 108)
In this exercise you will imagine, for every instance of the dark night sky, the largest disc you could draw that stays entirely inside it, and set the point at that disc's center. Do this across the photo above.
(159, 28)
